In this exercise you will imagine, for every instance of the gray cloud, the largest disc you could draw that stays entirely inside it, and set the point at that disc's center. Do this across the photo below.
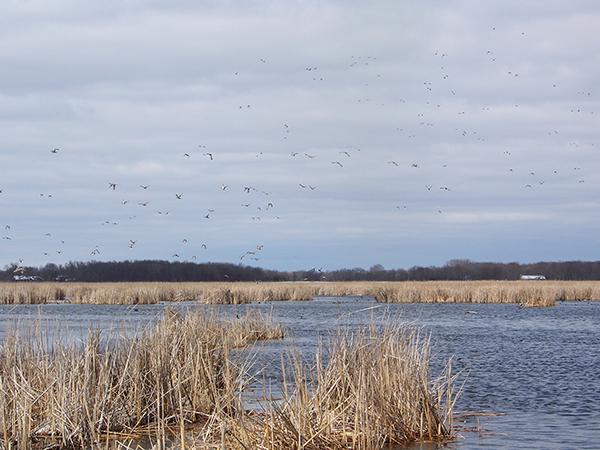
(314, 115)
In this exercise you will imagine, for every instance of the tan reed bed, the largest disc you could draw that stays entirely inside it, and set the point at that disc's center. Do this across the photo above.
(374, 392)
(174, 372)
(178, 380)
(154, 292)
(527, 292)
(99, 293)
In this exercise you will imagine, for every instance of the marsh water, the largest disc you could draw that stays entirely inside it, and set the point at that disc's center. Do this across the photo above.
(533, 373)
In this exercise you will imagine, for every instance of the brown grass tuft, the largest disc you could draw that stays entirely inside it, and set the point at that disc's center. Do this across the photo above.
(174, 372)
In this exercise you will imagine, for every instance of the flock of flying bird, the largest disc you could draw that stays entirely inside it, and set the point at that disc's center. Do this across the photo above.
(410, 131)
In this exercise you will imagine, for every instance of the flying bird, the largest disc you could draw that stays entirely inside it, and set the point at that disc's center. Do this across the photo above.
(209, 155)
(186, 154)
(112, 186)
(144, 187)
(178, 196)
(54, 150)
(337, 162)
(132, 243)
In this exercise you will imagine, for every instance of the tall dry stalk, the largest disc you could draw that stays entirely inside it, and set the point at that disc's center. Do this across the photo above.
(174, 372)
(375, 390)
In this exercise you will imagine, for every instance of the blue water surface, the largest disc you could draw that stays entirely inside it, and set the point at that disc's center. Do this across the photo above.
(533, 373)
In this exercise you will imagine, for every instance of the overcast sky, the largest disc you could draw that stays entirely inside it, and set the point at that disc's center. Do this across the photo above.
(329, 134)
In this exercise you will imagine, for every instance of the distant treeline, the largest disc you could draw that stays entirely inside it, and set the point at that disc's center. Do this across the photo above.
(155, 270)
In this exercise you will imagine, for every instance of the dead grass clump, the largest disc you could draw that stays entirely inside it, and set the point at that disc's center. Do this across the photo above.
(375, 390)
(30, 293)
(172, 373)
(244, 293)
(134, 293)
(179, 380)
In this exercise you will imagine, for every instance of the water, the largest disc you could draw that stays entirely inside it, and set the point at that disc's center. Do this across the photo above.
(536, 370)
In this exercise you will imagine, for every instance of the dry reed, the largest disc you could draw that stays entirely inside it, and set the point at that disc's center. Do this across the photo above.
(526, 292)
(174, 372)
(538, 293)
(179, 380)
(374, 391)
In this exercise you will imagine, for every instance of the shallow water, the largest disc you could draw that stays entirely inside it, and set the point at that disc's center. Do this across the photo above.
(536, 369)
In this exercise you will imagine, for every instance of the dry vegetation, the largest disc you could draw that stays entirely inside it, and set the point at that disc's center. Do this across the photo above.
(178, 380)
(173, 372)
(529, 293)
(374, 391)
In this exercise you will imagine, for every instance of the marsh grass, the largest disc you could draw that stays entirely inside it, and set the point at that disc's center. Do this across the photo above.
(374, 391)
(178, 383)
(171, 373)
(530, 292)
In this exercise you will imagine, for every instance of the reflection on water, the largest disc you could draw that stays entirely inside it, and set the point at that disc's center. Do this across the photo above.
(537, 368)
